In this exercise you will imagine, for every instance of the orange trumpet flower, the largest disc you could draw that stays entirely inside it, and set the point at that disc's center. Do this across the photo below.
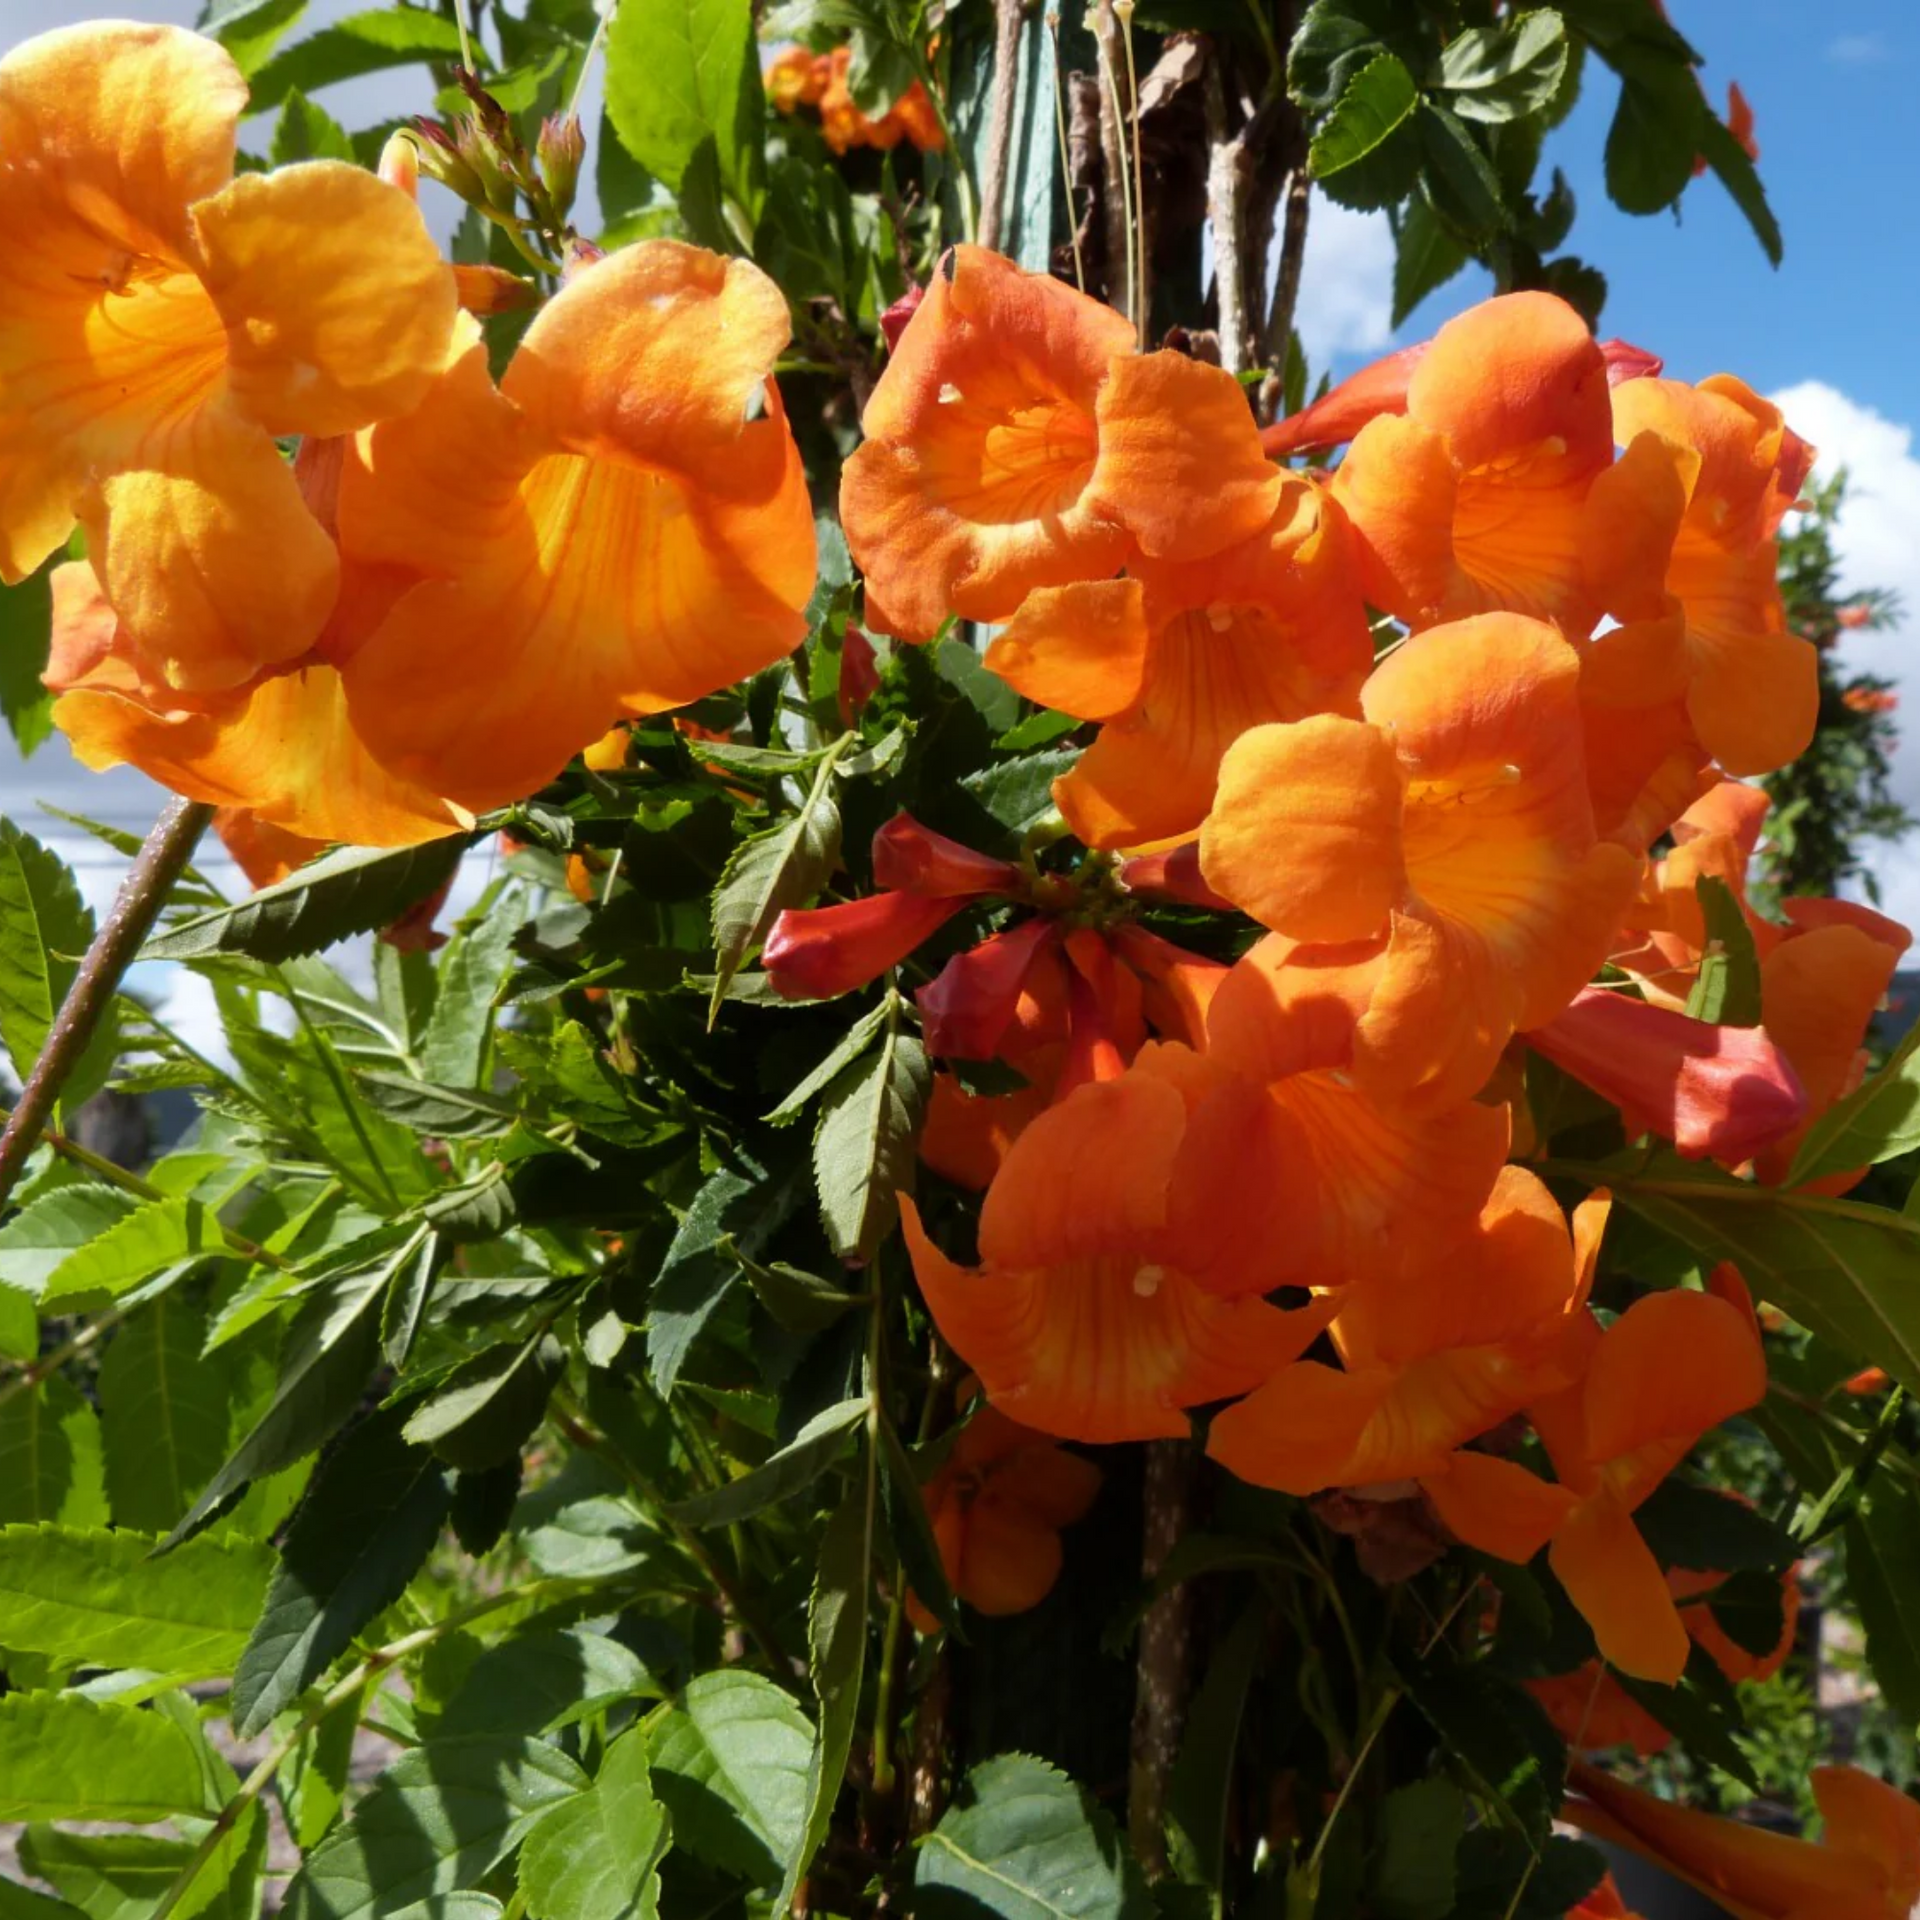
(1672, 1366)
(997, 1505)
(1016, 440)
(1865, 1867)
(607, 534)
(162, 322)
(1122, 1252)
(1451, 828)
(1435, 1352)
(1180, 659)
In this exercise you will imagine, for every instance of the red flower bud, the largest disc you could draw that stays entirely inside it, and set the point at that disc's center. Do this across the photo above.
(1625, 362)
(815, 953)
(1723, 1092)
(966, 1010)
(893, 323)
(917, 860)
(1174, 875)
(859, 676)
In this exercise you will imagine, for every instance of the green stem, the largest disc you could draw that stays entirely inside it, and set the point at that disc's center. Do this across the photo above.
(143, 893)
(883, 1772)
(342, 1089)
(1375, 1727)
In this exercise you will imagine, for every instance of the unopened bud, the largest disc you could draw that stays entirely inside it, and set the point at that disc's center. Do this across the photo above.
(577, 257)
(400, 164)
(437, 154)
(814, 953)
(561, 148)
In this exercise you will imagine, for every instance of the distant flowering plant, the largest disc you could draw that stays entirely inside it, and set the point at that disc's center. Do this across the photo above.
(1126, 1048)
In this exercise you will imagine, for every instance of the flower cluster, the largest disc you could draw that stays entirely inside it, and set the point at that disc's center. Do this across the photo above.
(823, 81)
(1442, 821)
(619, 525)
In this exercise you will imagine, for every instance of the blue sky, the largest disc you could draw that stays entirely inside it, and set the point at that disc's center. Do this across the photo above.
(1833, 332)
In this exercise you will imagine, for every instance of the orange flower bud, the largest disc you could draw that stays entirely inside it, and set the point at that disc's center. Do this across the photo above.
(915, 859)
(815, 953)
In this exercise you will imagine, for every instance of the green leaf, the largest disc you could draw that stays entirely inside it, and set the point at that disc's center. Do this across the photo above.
(1199, 1793)
(1459, 177)
(1505, 72)
(1025, 1843)
(1731, 161)
(1426, 257)
(1695, 1527)
(65, 1757)
(53, 1229)
(597, 1856)
(438, 1820)
(93, 1598)
(362, 43)
(1702, 1712)
(1875, 1122)
(124, 1876)
(1843, 1269)
(447, 1113)
(681, 72)
(1504, 1876)
(1727, 991)
(1656, 131)
(863, 1148)
(852, 1044)
(836, 1660)
(911, 1530)
(1379, 98)
(1019, 793)
(771, 871)
(329, 1353)
(490, 1404)
(798, 1464)
(536, 1683)
(731, 1759)
(1412, 1874)
(26, 631)
(50, 1457)
(307, 132)
(45, 927)
(163, 1413)
(368, 1520)
(1500, 1732)
(1883, 1564)
(23, 1903)
(155, 1236)
(801, 1302)
(1331, 45)
(350, 890)
(249, 29)
(472, 972)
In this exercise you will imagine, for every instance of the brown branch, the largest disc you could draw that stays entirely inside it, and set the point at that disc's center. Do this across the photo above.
(142, 894)
(1166, 1649)
(1226, 214)
(1113, 156)
(1006, 83)
(1293, 253)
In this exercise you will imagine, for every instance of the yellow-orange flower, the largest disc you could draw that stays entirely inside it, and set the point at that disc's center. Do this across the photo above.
(162, 322)
(1436, 1351)
(1865, 1867)
(1180, 659)
(1016, 440)
(1450, 827)
(608, 533)
(1122, 1255)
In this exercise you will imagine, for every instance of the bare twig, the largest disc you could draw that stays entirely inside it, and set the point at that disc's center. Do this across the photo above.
(1293, 253)
(1226, 215)
(142, 894)
(1006, 84)
(1117, 173)
(1166, 1646)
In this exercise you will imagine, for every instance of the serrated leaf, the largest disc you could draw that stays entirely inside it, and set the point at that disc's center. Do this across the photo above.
(448, 1113)
(1380, 97)
(801, 1302)
(597, 1856)
(731, 1758)
(850, 1047)
(51, 1230)
(1500, 1732)
(307, 131)
(910, 1529)
(1735, 168)
(368, 1519)
(50, 1467)
(350, 890)
(1656, 131)
(1505, 72)
(1411, 1875)
(489, 1406)
(1019, 793)
(1701, 1712)
(472, 972)
(864, 1147)
(84, 1596)
(537, 1683)
(65, 1757)
(1199, 1794)
(249, 29)
(681, 73)
(1883, 1563)
(1426, 257)
(362, 43)
(1727, 990)
(155, 1236)
(26, 631)
(770, 872)
(329, 1353)
(1875, 1122)
(438, 1820)
(1459, 177)
(798, 1464)
(45, 926)
(124, 1876)
(1025, 1843)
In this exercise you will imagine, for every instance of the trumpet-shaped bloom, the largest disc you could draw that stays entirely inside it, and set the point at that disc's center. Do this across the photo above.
(997, 1505)
(843, 126)
(1865, 1867)
(1122, 1252)
(283, 750)
(1016, 440)
(609, 533)
(162, 321)
(1672, 1366)
(1708, 473)
(1452, 828)
(1435, 1352)
(1178, 660)
(1719, 1092)
(1475, 498)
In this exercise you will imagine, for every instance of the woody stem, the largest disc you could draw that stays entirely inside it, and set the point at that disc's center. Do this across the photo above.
(1160, 1692)
(158, 865)
(1006, 80)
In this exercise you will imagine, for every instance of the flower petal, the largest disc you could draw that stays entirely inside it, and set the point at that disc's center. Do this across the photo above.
(1610, 1574)
(1081, 649)
(1497, 1505)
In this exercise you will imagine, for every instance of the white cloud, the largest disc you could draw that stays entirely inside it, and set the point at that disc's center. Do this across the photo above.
(1877, 539)
(1346, 285)
(1856, 49)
